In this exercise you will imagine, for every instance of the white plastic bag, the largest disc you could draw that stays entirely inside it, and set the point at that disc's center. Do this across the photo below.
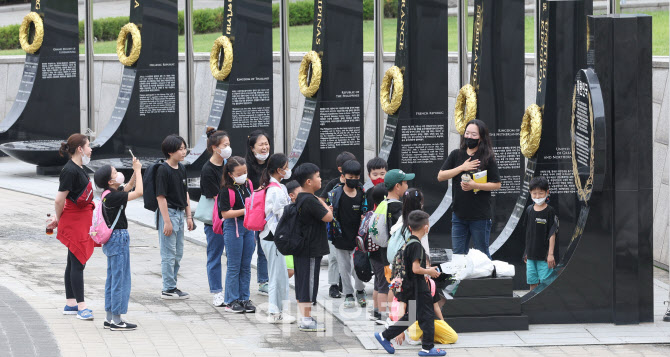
(504, 269)
(477, 265)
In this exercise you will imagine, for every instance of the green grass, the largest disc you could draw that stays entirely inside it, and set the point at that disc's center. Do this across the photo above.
(300, 37)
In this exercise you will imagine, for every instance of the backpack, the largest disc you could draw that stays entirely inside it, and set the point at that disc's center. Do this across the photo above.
(149, 183)
(363, 240)
(288, 235)
(398, 268)
(217, 222)
(99, 231)
(362, 266)
(378, 232)
(254, 209)
(398, 238)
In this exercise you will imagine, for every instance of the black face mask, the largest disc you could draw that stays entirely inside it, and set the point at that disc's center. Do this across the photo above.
(352, 183)
(471, 143)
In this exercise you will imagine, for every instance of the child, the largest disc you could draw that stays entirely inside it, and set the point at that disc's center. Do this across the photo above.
(240, 242)
(415, 287)
(541, 254)
(117, 248)
(349, 203)
(313, 217)
(293, 188)
(333, 270)
(173, 202)
(276, 198)
(377, 194)
(377, 168)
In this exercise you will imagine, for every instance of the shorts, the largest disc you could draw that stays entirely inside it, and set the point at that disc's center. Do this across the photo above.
(381, 286)
(289, 262)
(306, 274)
(537, 271)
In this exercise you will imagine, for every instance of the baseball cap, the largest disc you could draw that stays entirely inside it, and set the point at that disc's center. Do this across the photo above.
(396, 176)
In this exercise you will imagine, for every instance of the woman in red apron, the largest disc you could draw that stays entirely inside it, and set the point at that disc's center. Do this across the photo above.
(74, 212)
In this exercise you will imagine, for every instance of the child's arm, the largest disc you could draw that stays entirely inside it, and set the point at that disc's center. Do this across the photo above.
(551, 262)
(438, 311)
(163, 207)
(232, 213)
(134, 182)
(189, 217)
(329, 216)
(417, 269)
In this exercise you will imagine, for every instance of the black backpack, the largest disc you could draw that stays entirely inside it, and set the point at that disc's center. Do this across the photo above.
(362, 265)
(149, 183)
(288, 236)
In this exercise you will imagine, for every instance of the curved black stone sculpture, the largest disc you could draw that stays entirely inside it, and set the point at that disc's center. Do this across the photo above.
(248, 25)
(46, 107)
(337, 107)
(147, 107)
(415, 138)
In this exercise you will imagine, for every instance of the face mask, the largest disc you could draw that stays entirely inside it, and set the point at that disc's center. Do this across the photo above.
(262, 157)
(471, 143)
(241, 179)
(539, 201)
(377, 181)
(85, 159)
(120, 179)
(225, 152)
(352, 183)
(287, 174)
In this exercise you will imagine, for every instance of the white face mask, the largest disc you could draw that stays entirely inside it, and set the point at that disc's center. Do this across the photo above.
(85, 159)
(241, 179)
(287, 174)
(120, 179)
(262, 157)
(225, 152)
(539, 201)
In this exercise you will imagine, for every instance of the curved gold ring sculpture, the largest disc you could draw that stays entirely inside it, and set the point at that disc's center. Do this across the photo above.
(466, 107)
(391, 102)
(24, 32)
(531, 130)
(309, 90)
(129, 28)
(227, 65)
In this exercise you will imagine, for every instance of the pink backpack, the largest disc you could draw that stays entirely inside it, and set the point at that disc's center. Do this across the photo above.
(254, 209)
(217, 222)
(99, 231)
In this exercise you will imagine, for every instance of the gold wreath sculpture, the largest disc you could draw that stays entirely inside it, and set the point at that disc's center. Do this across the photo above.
(227, 65)
(466, 107)
(391, 103)
(531, 130)
(24, 32)
(312, 58)
(129, 28)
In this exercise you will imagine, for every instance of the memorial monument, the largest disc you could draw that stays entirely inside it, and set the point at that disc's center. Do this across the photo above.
(241, 62)
(331, 79)
(46, 107)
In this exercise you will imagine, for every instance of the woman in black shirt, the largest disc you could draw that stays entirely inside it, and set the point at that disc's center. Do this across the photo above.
(117, 248)
(211, 175)
(240, 242)
(258, 152)
(471, 200)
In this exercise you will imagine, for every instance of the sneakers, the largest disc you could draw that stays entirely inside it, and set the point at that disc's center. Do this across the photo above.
(106, 324)
(85, 314)
(70, 310)
(433, 352)
(309, 325)
(388, 346)
(263, 288)
(248, 306)
(376, 316)
(123, 326)
(174, 294)
(362, 301)
(280, 318)
(666, 317)
(235, 307)
(218, 300)
(349, 302)
(334, 292)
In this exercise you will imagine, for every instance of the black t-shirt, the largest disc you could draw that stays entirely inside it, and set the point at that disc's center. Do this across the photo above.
(311, 213)
(470, 205)
(255, 170)
(241, 193)
(111, 205)
(74, 179)
(172, 184)
(329, 187)
(210, 179)
(349, 217)
(540, 226)
(414, 252)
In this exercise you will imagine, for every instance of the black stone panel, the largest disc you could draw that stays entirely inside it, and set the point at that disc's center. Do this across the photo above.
(482, 306)
(495, 287)
(489, 323)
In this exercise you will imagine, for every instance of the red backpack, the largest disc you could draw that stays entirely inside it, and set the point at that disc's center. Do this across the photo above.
(217, 222)
(254, 209)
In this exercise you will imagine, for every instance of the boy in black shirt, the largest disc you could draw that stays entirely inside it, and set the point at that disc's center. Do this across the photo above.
(333, 269)
(173, 202)
(313, 217)
(541, 226)
(415, 287)
(349, 203)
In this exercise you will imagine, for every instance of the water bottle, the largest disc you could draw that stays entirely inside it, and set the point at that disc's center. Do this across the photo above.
(50, 231)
